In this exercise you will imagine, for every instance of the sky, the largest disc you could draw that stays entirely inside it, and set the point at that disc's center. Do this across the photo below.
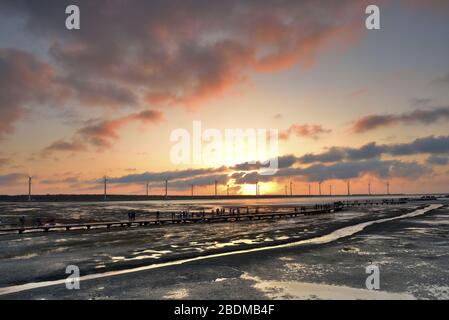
(349, 104)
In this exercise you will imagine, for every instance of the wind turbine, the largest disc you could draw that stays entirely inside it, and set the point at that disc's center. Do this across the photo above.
(166, 188)
(216, 193)
(29, 187)
(105, 188)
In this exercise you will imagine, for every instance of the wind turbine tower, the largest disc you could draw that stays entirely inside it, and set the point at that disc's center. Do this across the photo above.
(29, 187)
(216, 193)
(166, 188)
(105, 188)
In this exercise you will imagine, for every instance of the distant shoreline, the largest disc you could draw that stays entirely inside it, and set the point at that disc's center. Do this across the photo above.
(112, 198)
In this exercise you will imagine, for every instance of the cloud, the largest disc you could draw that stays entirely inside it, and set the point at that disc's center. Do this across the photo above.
(199, 181)
(24, 83)
(11, 178)
(426, 145)
(313, 131)
(421, 102)
(430, 145)
(102, 133)
(67, 180)
(283, 162)
(182, 52)
(441, 80)
(438, 160)
(344, 170)
(160, 177)
(438, 6)
(433, 145)
(425, 117)
(4, 162)
(66, 146)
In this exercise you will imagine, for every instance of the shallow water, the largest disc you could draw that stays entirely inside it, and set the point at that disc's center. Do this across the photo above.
(75, 212)
(332, 236)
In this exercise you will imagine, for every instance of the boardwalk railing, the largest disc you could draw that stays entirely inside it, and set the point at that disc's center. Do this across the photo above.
(202, 217)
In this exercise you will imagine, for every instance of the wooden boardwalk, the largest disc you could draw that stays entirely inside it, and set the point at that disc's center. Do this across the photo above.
(198, 217)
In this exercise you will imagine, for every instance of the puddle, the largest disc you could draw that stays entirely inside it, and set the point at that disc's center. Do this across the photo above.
(305, 291)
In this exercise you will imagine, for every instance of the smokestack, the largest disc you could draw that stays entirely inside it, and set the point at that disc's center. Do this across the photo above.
(227, 189)
(29, 188)
(319, 188)
(369, 188)
(291, 189)
(310, 190)
(330, 190)
(349, 188)
(192, 189)
(388, 187)
(285, 190)
(148, 186)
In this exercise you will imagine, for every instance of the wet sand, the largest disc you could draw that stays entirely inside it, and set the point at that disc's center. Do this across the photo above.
(411, 254)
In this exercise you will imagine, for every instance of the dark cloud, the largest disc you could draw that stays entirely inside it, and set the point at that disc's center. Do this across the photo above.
(172, 176)
(65, 146)
(283, 162)
(442, 80)
(102, 133)
(427, 145)
(313, 131)
(181, 51)
(11, 178)
(207, 180)
(67, 180)
(421, 102)
(25, 82)
(344, 170)
(438, 6)
(430, 145)
(426, 117)
(438, 160)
